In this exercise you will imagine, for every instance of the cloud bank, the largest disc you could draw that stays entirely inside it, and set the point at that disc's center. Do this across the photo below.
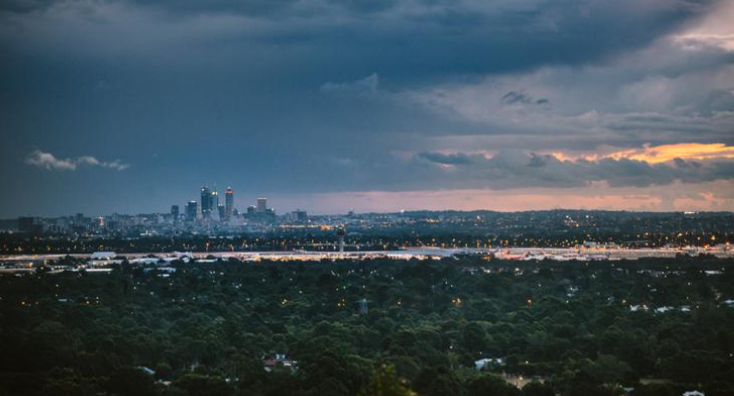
(516, 169)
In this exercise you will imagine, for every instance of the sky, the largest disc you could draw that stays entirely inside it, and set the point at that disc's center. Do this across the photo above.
(129, 106)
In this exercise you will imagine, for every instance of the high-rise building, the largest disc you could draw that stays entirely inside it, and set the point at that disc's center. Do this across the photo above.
(269, 214)
(191, 211)
(213, 201)
(299, 216)
(209, 201)
(229, 201)
(262, 205)
(174, 212)
(222, 212)
(206, 207)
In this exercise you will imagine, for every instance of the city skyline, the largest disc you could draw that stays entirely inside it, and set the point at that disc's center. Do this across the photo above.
(121, 106)
(520, 200)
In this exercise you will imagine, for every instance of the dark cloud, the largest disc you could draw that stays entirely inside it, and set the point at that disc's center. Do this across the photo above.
(718, 100)
(179, 7)
(521, 97)
(415, 41)
(365, 6)
(24, 6)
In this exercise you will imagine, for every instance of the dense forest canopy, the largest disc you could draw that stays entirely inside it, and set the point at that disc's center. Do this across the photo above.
(649, 327)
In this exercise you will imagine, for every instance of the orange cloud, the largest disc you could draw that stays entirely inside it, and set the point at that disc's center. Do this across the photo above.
(663, 153)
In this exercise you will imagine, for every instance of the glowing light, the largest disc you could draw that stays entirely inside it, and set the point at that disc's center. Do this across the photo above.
(659, 154)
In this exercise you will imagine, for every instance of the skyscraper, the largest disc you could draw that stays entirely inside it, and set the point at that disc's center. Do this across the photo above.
(222, 212)
(213, 200)
(174, 213)
(229, 201)
(262, 205)
(206, 207)
(191, 209)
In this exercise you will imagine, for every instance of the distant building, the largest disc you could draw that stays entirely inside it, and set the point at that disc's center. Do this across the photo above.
(489, 363)
(251, 210)
(229, 202)
(262, 205)
(146, 370)
(175, 212)
(213, 200)
(340, 233)
(103, 256)
(205, 202)
(209, 201)
(222, 212)
(299, 216)
(191, 211)
(28, 224)
(279, 361)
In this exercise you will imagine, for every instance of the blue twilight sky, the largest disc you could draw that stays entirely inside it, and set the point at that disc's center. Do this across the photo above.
(131, 105)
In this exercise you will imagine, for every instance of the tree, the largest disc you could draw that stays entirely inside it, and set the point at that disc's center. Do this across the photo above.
(130, 381)
(203, 385)
(536, 388)
(490, 384)
(385, 382)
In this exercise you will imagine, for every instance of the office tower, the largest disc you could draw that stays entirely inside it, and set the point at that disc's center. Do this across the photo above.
(262, 205)
(299, 216)
(214, 199)
(270, 214)
(206, 207)
(251, 210)
(229, 201)
(174, 213)
(191, 211)
(222, 212)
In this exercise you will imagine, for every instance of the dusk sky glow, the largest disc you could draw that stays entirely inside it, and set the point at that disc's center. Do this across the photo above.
(130, 106)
